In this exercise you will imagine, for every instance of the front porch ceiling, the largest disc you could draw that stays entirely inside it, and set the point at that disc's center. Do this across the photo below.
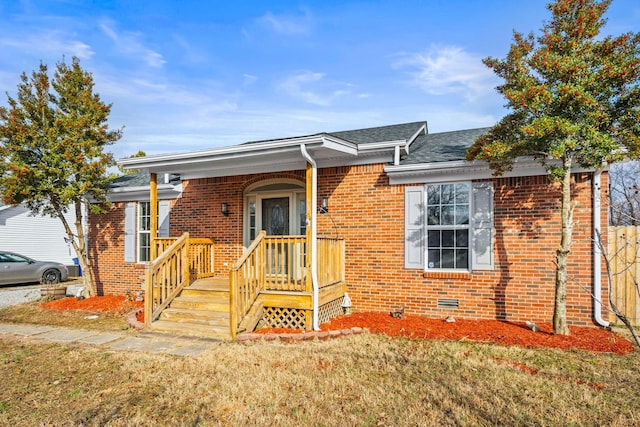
(273, 156)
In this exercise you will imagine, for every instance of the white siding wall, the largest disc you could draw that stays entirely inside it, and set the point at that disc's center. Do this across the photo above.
(39, 237)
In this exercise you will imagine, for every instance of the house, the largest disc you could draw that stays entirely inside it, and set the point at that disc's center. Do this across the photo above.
(393, 216)
(37, 236)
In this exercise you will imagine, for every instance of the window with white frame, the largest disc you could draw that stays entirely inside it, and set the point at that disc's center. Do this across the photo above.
(447, 211)
(137, 229)
(144, 231)
(449, 226)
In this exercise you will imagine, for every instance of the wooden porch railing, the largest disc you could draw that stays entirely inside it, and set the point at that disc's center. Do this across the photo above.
(246, 278)
(331, 261)
(162, 243)
(176, 267)
(285, 261)
(200, 253)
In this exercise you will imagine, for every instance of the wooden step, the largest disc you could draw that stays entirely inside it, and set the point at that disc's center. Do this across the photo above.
(190, 302)
(204, 293)
(202, 310)
(191, 329)
(211, 284)
(202, 317)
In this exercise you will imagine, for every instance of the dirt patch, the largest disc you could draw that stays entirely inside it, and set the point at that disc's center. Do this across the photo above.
(504, 333)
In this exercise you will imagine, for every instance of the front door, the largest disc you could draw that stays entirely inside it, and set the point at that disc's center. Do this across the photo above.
(275, 216)
(275, 222)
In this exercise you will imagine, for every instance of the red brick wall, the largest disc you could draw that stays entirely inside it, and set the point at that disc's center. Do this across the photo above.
(369, 215)
(106, 253)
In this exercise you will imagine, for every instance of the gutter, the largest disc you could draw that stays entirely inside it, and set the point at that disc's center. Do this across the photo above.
(597, 252)
(314, 234)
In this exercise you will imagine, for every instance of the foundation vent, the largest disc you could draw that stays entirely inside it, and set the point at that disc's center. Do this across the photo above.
(448, 303)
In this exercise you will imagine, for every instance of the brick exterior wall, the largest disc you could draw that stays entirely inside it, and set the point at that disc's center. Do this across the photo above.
(369, 214)
(106, 253)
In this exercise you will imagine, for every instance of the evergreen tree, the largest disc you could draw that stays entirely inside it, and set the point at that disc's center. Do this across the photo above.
(574, 99)
(52, 142)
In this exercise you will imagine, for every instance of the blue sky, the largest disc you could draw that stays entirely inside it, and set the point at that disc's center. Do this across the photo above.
(188, 75)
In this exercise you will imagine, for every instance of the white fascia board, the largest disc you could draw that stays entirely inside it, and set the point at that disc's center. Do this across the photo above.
(160, 161)
(462, 170)
(370, 146)
(423, 129)
(340, 145)
(165, 163)
(141, 193)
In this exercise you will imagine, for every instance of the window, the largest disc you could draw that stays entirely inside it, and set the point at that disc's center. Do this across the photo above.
(274, 202)
(137, 229)
(144, 231)
(449, 226)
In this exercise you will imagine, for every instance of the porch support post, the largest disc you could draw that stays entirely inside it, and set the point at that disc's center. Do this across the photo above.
(309, 216)
(312, 249)
(153, 208)
(309, 236)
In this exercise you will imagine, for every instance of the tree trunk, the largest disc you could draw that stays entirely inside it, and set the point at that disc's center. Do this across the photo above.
(78, 243)
(562, 254)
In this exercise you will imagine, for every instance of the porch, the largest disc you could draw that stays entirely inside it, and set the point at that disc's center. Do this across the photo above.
(272, 283)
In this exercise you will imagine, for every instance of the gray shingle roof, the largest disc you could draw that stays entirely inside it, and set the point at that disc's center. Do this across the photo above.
(402, 131)
(441, 147)
(138, 179)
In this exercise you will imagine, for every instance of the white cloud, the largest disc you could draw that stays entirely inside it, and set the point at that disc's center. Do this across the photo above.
(288, 25)
(312, 88)
(129, 43)
(46, 42)
(445, 70)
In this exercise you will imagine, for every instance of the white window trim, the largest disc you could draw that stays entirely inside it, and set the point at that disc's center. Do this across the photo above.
(467, 227)
(132, 249)
(140, 232)
(481, 228)
(295, 196)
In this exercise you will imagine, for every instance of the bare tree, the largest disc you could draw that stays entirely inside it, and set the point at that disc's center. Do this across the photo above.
(624, 193)
(621, 257)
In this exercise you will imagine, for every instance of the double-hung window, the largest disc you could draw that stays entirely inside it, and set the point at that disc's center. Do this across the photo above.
(137, 229)
(144, 231)
(449, 226)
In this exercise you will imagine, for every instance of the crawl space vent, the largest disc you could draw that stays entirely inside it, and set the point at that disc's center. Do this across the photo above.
(448, 303)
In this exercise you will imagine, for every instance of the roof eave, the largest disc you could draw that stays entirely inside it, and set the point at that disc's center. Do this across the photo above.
(464, 171)
(239, 151)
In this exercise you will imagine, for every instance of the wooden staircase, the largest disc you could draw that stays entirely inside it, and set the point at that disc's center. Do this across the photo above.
(201, 309)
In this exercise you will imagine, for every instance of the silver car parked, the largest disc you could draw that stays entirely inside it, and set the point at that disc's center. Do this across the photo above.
(16, 268)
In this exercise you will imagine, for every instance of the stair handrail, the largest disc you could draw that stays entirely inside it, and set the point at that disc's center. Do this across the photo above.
(165, 277)
(244, 288)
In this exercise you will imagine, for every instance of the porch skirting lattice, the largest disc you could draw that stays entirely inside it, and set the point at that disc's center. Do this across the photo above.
(330, 310)
(294, 318)
(279, 317)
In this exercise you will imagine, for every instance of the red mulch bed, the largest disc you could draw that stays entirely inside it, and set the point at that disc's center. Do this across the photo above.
(116, 304)
(505, 333)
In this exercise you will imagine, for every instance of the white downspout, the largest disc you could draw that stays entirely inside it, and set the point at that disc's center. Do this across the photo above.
(314, 233)
(597, 253)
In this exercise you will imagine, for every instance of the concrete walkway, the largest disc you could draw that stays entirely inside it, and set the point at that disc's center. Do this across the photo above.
(143, 342)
